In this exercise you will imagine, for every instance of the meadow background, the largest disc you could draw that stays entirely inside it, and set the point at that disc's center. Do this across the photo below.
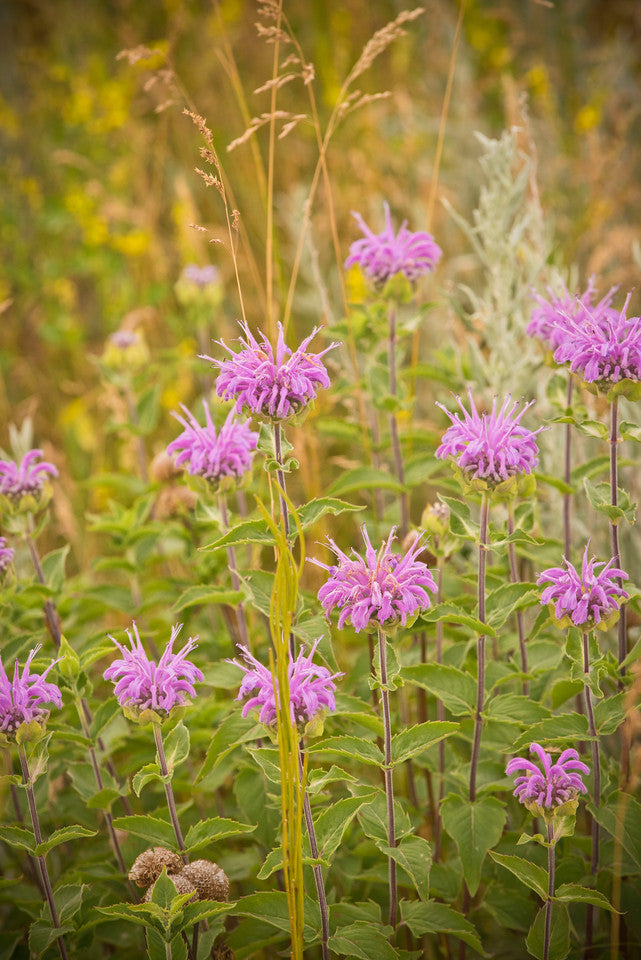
(538, 176)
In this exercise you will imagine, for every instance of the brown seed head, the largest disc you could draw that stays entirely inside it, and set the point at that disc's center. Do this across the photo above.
(182, 885)
(210, 880)
(148, 866)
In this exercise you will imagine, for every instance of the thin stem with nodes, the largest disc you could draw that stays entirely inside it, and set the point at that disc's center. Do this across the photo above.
(614, 529)
(317, 869)
(241, 616)
(169, 793)
(514, 577)
(44, 873)
(547, 932)
(440, 716)
(387, 770)
(396, 445)
(480, 647)
(567, 473)
(596, 767)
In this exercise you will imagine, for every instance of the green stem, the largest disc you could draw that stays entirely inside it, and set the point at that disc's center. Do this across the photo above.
(317, 869)
(169, 793)
(480, 648)
(44, 873)
(514, 577)
(596, 769)
(396, 445)
(389, 785)
(440, 715)
(241, 617)
(548, 903)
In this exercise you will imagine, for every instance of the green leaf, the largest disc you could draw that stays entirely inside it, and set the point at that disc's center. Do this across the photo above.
(574, 893)
(53, 567)
(18, 837)
(567, 727)
(148, 410)
(248, 531)
(212, 830)
(507, 599)
(600, 497)
(231, 732)
(430, 917)
(334, 820)
(414, 855)
(461, 523)
(156, 946)
(363, 940)
(176, 746)
(42, 935)
(621, 817)
(559, 934)
(529, 873)
(158, 832)
(103, 799)
(202, 594)
(150, 771)
(609, 713)
(271, 907)
(142, 914)
(454, 687)
(475, 828)
(311, 512)
(418, 738)
(452, 613)
(516, 708)
(353, 747)
(364, 478)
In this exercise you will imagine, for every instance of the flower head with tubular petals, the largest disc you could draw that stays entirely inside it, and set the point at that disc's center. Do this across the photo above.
(6, 556)
(141, 684)
(24, 699)
(210, 454)
(383, 255)
(550, 785)
(587, 599)
(275, 385)
(552, 319)
(383, 588)
(27, 480)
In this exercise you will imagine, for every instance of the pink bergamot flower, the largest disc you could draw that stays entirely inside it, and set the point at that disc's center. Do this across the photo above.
(557, 782)
(26, 697)
(552, 319)
(383, 255)
(587, 599)
(213, 455)
(26, 484)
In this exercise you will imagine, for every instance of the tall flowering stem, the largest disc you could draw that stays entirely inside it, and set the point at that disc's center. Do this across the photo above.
(596, 768)
(480, 645)
(440, 716)
(51, 614)
(169, 793)
(567, 474)
(46, 882)
(614, 529)
(514, 577)
(278, 453)
(547, 930)
(387, 771)
(396, 445)
(241, 615)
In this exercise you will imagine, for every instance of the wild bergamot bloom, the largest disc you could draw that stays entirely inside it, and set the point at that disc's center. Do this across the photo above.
(490, 450)
(557, 782)
(141, 684)
(25, 698)
(25, 485)
(311, 687)
(587, 599)
(383, 255)
(384, 588)
(605, 349)
(210, 454)
(552, 318)
(272, 385)
(6, 556)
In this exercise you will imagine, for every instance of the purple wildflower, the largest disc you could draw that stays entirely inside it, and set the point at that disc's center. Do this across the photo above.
(201, 277)
(382, 255)
(556, 784)
(385, 586)
(552, 319)
(271, 385)
(587, 599)
(124, 339)
(142, 685)
(23, 700)
(212, 455)
(311, 687)
(6, 556)
(28, 478)
(492, 447)
(605, 347)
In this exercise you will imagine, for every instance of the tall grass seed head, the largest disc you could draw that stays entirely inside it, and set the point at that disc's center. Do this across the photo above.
(491, 452)
(149, 692)
(387, 257)
(549, 788)
(273, 385)
(587, 600)
(25, 487)
(311, 689)
(383, 589)
(220, 457)
(24, 701)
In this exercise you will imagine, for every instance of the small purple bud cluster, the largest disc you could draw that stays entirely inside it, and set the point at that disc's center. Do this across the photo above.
(6, 556)
(551, 786)
(384, 587)
(273, 385)
(311, 687)
(142, 685)
(588, 598)
(201, 277)
(23, 699)
(210, 454)
(28, 478)
(492, 447)
(383, 255)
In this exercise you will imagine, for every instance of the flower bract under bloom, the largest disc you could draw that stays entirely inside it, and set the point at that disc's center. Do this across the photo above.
(604, 348)
(311, 687)
(26, 479)
(24, 699)
(490, 447)
(141, 684)
(210, 454)
(553, 319)
(382, 255)
(6, 556)
(586, 599)
(273, 385)
(383, 588)
(554, 784)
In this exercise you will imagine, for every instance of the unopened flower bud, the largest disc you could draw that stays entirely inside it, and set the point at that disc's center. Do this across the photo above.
(148, 866)
(210, 880)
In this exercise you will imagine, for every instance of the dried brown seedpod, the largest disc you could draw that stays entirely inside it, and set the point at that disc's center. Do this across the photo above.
(148, 866)
(210, 880)
(181, 883)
